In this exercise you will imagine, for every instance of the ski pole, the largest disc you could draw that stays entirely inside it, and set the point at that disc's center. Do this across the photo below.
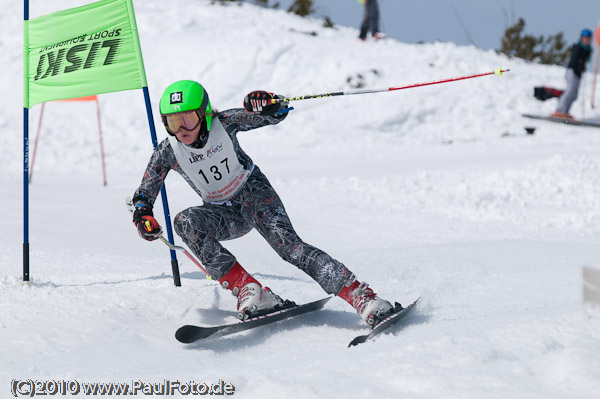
(185, 251)
(131, 209)
(498, 71)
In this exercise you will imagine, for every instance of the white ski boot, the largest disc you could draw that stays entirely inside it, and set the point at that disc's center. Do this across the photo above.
(254, 300)
(368, 306)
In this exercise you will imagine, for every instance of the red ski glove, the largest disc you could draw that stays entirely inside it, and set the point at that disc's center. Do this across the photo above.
(148, 228)
(260, 101)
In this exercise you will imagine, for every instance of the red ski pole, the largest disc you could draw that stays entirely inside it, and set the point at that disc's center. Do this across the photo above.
(498, 71)
(131, 209)
(185, 251)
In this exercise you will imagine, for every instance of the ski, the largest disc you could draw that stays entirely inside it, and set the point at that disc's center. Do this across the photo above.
(398, 313)
(189, 333)
(566, 121)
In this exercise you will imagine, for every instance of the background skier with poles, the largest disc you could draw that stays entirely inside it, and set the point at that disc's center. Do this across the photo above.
(580, 54)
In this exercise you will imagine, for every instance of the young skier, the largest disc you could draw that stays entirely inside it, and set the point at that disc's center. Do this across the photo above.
(237, 197)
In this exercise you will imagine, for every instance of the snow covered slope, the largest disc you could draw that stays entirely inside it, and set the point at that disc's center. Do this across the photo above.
(435, 192)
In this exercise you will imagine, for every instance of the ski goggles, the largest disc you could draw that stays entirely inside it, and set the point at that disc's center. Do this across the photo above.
(187, 120)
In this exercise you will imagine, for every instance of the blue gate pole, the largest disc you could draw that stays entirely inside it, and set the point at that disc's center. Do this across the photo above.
(25, 194)
(25, 164)
(163, 193)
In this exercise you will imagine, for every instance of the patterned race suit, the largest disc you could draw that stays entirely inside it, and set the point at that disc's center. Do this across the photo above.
(253, 205)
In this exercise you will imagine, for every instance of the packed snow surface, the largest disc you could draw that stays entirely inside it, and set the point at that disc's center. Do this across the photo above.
(434, 192)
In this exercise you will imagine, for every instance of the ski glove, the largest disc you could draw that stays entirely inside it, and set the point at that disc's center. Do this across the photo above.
(148, 228)
(260, 101)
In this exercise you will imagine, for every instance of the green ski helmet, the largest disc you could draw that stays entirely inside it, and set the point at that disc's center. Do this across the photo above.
(185, 95)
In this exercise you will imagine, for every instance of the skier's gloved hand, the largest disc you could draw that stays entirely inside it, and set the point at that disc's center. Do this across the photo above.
(148, 228)
(260, 101)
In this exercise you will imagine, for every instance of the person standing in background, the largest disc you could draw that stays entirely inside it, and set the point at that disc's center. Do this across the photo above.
(370, 20)
(580, 54)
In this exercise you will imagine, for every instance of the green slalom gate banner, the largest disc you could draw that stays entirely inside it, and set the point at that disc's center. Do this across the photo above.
(82, 51)
(79, 52)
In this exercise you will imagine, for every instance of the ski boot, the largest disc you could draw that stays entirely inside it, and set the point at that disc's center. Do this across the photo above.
(252, 299)
(369, 307)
